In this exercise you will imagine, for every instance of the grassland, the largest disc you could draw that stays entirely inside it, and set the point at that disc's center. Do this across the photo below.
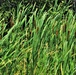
(39, 43)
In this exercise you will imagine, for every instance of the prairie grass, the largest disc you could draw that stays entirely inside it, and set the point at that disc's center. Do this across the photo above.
(40, 42)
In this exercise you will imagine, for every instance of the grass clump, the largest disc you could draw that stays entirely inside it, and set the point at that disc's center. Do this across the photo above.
(39, 43)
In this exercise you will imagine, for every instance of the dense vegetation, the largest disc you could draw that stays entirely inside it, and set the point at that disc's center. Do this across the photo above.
(38, 40)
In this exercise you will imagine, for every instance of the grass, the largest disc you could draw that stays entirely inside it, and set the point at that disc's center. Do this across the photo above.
(44, 46)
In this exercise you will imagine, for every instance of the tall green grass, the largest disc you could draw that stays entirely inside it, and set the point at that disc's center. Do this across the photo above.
(43, 47)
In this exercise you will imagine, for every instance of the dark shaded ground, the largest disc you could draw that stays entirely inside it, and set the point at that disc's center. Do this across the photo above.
(39, 3)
